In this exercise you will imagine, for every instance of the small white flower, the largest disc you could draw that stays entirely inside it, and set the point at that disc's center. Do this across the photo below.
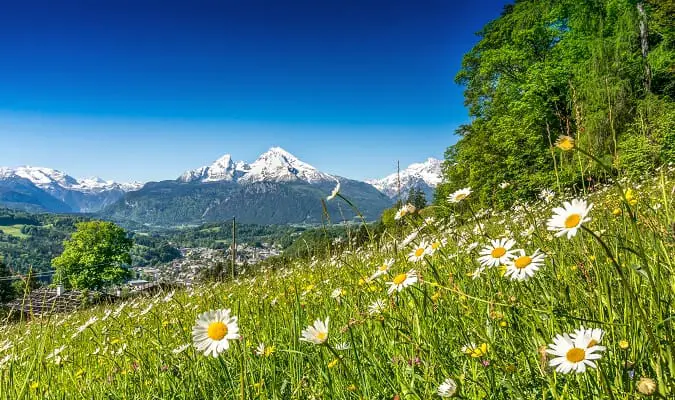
(418, 253)
(317, 334)
(569, 218)
(459, 195)
(213, 331)
(497, 253)
(377, 307)
(522, 266)
(180, 349)
(382, 269)
(402, 281)
(448, 388)
(335, 191)
(573, 354)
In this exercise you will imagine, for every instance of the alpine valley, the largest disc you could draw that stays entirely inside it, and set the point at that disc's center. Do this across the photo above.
(276, 188)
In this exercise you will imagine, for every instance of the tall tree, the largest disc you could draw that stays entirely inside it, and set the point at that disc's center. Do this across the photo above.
(551, 67)
(95, 256)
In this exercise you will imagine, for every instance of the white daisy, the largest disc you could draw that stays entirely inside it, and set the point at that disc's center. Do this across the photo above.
(342, 346)
(437, 245)
(382, 269)
(477, 273)
(260, 350)
(419, 252)
(595, 335)
(497, 253)
(522, 266)
(337, 294)
(448, 388)
(459, 195)
(547, 195)
(408, 239)
(568, 219)
(377, 307)
(335, 191)
(180, 349)
(213, 331)
(409, 208)
(504, 185)
(401, 213)
(428, 221)
(317, 334)
(402, 281)
(573, 354)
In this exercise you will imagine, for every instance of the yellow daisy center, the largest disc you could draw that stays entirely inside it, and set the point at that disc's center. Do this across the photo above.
(216, 330)
(399, 279)
(522, 262)
(383, 267)
(572, 220)
(498, 252)
(321, 336)
(435, 245)
(575, 355)
(419, 252)
(460, 196)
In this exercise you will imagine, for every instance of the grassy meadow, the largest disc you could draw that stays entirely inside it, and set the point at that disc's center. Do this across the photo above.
(485, 331)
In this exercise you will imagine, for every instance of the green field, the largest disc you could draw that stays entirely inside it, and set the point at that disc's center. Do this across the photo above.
(14, 230)
(484, 330)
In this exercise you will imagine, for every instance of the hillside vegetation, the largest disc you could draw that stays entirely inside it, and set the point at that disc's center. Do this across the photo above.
(600, 71)
(401, 321)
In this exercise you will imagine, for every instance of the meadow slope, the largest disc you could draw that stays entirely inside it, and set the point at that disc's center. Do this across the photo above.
(451, 319)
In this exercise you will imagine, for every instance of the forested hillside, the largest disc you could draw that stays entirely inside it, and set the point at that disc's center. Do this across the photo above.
(600, 71)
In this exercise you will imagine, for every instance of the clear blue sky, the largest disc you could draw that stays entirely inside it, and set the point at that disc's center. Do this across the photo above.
(143, 90)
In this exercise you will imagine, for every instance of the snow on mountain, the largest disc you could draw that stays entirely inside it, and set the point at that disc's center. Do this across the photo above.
(275, 165)
(50, 179)
(278, 165)
(425, 176)
(223, 169)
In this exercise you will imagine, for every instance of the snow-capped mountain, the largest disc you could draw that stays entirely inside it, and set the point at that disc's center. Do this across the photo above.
(276, 188)
(34, 185)
(425, 176)
(275, 165)
(223, 169)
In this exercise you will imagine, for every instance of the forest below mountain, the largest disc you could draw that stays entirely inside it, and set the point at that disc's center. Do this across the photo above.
(32, 240)
(600, 71)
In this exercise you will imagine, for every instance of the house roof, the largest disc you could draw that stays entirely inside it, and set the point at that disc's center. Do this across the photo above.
(45, 301)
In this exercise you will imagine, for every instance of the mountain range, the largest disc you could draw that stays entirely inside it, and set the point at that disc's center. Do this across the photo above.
(50, 190)
(423, 176)
(276, 188)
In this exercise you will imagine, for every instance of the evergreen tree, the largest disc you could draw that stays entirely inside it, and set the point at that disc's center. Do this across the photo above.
(7, 291)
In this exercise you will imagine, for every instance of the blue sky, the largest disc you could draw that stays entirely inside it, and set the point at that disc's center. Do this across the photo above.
(143, 90)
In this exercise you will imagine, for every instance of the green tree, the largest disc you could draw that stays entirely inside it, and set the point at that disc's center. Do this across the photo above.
(95, 256)
(417, 198)
(7, 291)
(544, 68)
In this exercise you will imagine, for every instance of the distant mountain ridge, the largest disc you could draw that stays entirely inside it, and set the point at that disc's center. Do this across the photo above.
(424, 176)
(277, 188)
(46, 189)
(274, 165)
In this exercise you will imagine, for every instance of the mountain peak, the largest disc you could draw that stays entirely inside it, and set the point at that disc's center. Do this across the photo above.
(278, 165)
(274, 165)
(425, 176)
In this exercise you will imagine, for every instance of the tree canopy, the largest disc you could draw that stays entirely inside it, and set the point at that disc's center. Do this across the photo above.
(600, 71)
(95, 256)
